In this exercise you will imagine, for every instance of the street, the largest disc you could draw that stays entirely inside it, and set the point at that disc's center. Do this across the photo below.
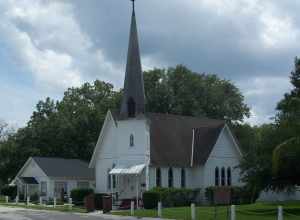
(26, 214)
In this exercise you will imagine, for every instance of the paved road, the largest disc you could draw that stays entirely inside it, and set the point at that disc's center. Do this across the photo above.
(25, 214)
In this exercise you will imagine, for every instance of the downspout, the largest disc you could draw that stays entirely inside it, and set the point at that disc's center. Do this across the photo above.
(192, 154)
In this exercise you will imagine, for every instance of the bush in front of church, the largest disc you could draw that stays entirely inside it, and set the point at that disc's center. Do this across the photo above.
(150, 199)
(239, 195)
(78, 195)
(170, 197)
(10, 191)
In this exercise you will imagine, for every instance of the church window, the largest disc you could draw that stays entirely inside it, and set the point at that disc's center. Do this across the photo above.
(229, 176)
(217, 176)
(171, 179)
(183, 178)
(223, 176)
(131, 108)
(131, 140)
(158, 177)
(114, 179)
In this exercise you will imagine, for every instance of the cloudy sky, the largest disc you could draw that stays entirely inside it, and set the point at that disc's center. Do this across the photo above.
(49, 45)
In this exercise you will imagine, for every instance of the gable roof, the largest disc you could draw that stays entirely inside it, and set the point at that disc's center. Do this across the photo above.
(171, 138)
(65, 168)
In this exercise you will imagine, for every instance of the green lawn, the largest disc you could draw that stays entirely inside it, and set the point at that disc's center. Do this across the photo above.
(258, 211)
(49, 208)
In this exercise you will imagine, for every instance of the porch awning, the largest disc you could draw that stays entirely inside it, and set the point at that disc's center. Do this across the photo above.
(29, 180)
(133, 170)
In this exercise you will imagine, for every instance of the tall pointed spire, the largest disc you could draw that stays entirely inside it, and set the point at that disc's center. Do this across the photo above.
(133, 102)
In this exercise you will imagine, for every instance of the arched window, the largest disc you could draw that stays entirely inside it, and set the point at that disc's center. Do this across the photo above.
(229, 176)
(170, 179)
(158, 177)
(182, 178)
(131, 108)
(217, 181)
(131, 140)
(223, 176)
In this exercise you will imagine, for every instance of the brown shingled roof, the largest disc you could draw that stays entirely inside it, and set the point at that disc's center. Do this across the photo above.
(171, 139)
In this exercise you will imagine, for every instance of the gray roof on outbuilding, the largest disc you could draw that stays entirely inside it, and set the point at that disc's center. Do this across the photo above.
(65, 168)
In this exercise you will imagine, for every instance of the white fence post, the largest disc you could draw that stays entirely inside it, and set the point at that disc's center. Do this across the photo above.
(17, 200)
(6, 199)
(28, 200)
(70, 203)
(41, 201)
(232, 213)
(159, 212)
(193, 211)
(54, 202)
(280, 213)
(132, 208)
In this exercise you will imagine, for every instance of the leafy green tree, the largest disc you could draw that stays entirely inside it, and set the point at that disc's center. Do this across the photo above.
(286, 156)
(70, 128)
(180, 91)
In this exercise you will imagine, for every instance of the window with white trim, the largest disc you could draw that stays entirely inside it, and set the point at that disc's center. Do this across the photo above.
(43, 188)
(171, 178)
(223, 176)
(158, 177)
(131, 140)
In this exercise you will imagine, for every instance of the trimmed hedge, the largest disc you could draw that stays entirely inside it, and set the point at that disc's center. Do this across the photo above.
(239, 195)
(150, 199)
(170, 197)
(10, 191)
(78, 195)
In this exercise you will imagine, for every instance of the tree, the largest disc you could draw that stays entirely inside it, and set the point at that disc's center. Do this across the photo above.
(3, 131)
(68, 128)
(286, 156)
(180, 91)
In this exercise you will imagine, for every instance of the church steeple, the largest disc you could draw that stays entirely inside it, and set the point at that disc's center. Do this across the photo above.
(133, 102)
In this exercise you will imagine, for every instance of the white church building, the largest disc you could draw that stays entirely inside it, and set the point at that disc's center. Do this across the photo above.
(137, 150)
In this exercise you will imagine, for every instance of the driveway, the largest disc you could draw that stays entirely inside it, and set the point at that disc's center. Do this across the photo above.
(27, 214)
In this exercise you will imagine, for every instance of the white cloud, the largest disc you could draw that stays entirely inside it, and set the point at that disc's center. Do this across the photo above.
(48, 41)
(262, 94)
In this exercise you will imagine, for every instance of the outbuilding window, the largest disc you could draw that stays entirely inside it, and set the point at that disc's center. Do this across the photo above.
(183, 178)
(158, 177)
(171, 179)
(43, 188)
(217, 176)
(223, 176)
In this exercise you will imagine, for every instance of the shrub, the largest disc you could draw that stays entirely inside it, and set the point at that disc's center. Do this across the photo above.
(170, 197)
(2, 199)
(78, 195)
(239, 195)
(10, 191)
(34, 198)
(150, 199)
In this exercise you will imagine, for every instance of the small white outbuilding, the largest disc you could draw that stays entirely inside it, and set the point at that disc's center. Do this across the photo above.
(50, 177)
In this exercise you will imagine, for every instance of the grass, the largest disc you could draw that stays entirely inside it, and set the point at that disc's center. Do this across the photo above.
(60, 208)
(258, 211)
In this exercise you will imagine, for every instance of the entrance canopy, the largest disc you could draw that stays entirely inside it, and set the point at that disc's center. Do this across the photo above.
(133, 170)
(29, 180)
